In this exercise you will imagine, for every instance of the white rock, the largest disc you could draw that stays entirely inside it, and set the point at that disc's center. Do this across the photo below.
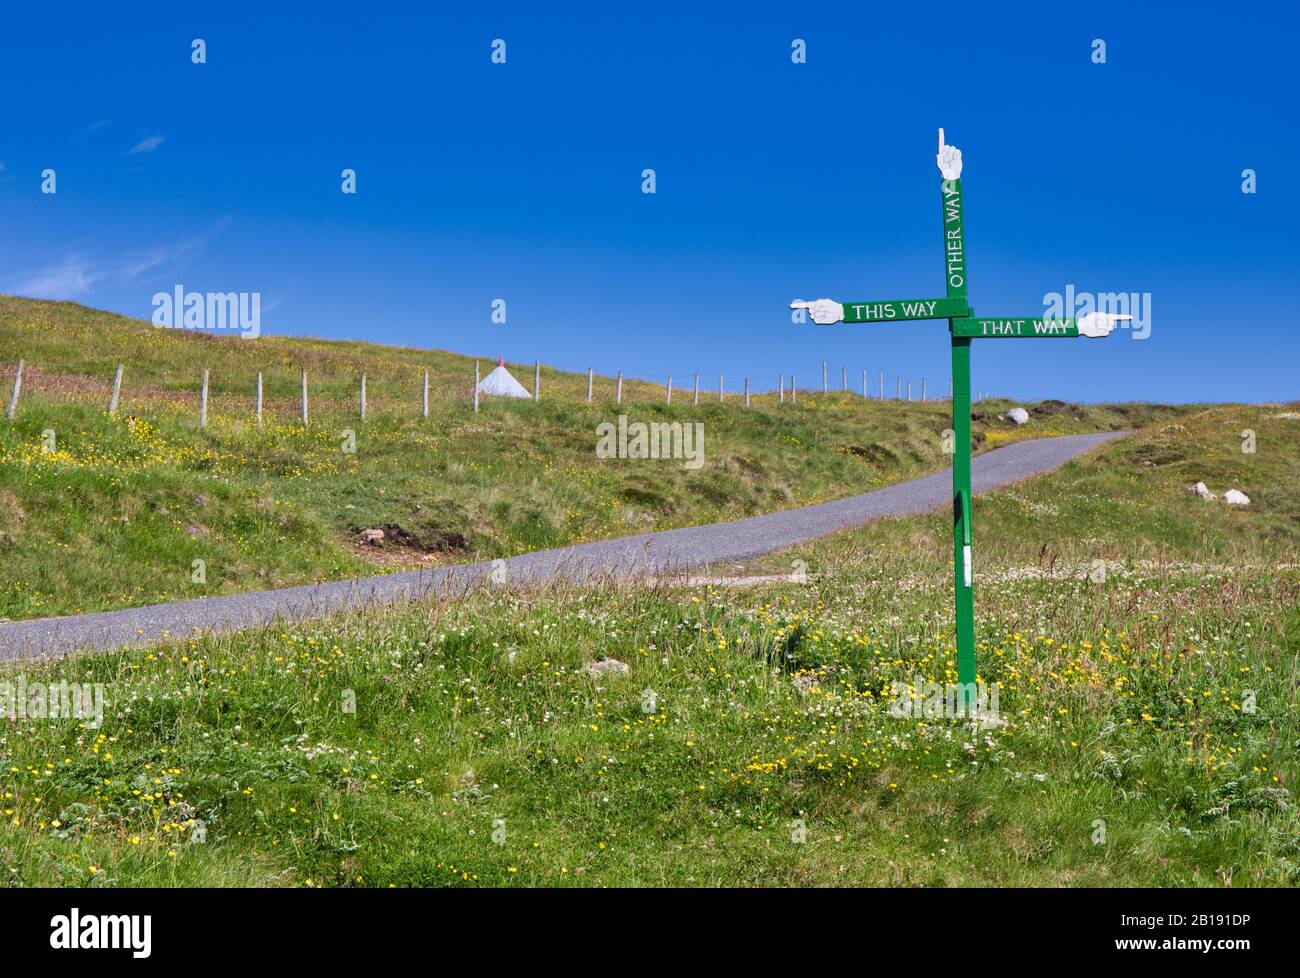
(1288, 416)
(599, 668)
(1018, 415)
(1234, 497)
(374, 538)
(988, 721)
(1201, 490)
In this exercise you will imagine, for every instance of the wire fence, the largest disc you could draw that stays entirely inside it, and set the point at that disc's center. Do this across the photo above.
(289, 394)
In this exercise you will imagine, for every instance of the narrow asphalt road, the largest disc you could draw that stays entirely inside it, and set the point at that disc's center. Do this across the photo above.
(666, 552)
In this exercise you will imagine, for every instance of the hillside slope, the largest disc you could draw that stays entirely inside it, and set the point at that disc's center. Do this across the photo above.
(100, 511)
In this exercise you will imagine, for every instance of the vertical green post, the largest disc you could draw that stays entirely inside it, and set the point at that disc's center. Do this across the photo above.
(955, 278)
(961, 511)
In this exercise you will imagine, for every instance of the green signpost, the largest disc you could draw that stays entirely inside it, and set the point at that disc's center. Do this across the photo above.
(963, 326)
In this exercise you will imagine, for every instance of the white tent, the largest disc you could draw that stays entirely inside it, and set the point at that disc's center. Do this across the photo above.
(500, 383)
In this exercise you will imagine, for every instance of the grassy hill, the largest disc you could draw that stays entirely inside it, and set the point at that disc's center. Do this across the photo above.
(100, 511)
(1147, 735)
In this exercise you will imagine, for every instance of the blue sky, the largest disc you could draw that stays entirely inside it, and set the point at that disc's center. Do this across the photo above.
(775, 180)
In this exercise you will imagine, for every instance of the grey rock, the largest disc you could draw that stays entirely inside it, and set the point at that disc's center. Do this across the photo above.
(601, 666)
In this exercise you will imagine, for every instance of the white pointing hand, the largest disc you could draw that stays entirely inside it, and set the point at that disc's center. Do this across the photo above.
(1096, 324)
(823, 312)
(949, 159)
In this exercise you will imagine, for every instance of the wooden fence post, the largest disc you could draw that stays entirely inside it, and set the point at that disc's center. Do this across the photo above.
(18, 385)
(363, 396)
(476, 387)
(590, 377)
(304, 398)
(697, 388)
(618, 389)
(922, 390)
(844, 377)
(909, 390)
(865, 395)
(823, 376)
(669, 398)
(424, 407)
(203, 401)
(719, 388)
(537, 380)
(794, 391)
(882, 385)
(780, 387)
(117, 390)
(746, 392)
(259, 398)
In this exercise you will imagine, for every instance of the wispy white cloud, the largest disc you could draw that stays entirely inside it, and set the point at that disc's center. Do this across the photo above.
(78, 274)
(75, 275)
(278, 300)
(166, 259)
(146, 145)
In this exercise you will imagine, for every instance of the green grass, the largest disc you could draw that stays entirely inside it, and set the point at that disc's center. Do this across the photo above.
(101, 512)
(1154, 701)
(1126, 503)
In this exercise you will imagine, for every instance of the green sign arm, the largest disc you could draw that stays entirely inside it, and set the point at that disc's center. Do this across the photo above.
(1020, 327)
(1093, 325)
(827, 312)
(954, 242)
(890, 310)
